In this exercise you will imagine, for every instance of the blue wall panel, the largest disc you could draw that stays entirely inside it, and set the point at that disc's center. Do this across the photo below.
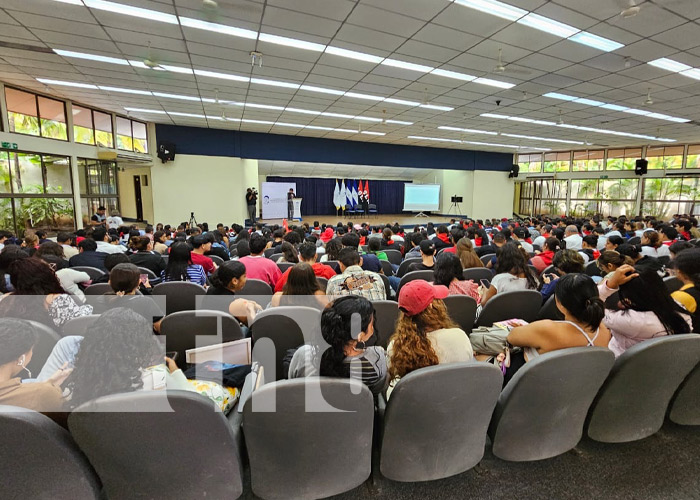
(214, 142)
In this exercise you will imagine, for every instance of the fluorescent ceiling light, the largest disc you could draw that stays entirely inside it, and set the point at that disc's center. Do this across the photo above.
(302, 111)
(452, 74)
(128, 10)
(561, 97)
(521, 119)
(368, 119)
(223, 76)
(275, 83)
(634, 111)
(692, 73)
(316, 127)
(189, 115)
(72, 2)
(177, 96)
(437, 108)
(548, 25)
(177, 69)
(407, 65)
(669, 65)
(351, 54)
(615, 107)
(536, 138)
(467, 130)
(494, 83)
(368, 132)
(263, 106)
(260, 122)
(595, 41)
(322, 90)
(141, 65)
(588, 102)
(509, 146)
(495, 8)
(401, 101)
(218, 28)
(344, 130)
(363, 96)
(142, 110)
(440, 139)
(337, 115)
(291, 42)
(293, 125)
(91, 57)
(399, 122)
(125, 91)
(48, 81)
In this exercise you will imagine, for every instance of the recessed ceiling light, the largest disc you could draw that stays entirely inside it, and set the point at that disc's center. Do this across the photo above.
(401, 101)
(322, 90)
(536, 138)
(494, 83)
(91, 57)
(275, 83)
(369, 132)
(595, 41)
(125, 91)
(128, 10)
(363, 96)
(176, 69)
(495, 8)
(548, 25)
(467, 130)
(351, 54)
(615, 107)
(218, 28)
(452, 74)
(142, 110)
(588, 102)
(302, 111)
(188, 115)
(669, 65)
(399, 122)
(177, 96)
(562, 97)
(407, 65)
(692, 73)
(47, 81)
(224, 76)
(72, 2)
(436, 107)
(291, 42)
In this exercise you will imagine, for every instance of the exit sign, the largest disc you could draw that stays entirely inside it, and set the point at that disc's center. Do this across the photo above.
(9, 145)
(603, 176)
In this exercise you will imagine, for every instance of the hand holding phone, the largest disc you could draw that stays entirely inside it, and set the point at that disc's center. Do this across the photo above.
(485, 283)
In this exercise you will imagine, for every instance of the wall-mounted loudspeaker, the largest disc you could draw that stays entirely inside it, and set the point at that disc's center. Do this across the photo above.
(640, 167)
(514, 171)
(166, 151)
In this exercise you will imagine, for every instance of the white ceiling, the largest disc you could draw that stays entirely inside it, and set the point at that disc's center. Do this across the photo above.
(339, 171)
(437, 33)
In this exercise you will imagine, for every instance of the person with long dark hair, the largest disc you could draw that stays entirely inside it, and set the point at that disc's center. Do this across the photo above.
(8, 255)
(301, 289)
(348, 355)
(143, 255)
(641, 261)
(289, 253)
(648, 311)
(448, 273)
(512, 273)
(181, 268)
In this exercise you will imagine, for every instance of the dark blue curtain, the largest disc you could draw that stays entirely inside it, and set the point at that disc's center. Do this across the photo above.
(318, 194)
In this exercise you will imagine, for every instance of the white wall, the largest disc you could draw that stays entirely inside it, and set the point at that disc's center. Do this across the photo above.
(493, 195)
(127, 195)
(211, 186)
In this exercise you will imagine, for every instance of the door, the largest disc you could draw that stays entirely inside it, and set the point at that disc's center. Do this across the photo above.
(137, 197)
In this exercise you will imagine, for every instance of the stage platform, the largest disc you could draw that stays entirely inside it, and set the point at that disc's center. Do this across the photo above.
(374, 220)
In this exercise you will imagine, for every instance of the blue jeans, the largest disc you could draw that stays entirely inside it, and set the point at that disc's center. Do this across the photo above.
(64, 351)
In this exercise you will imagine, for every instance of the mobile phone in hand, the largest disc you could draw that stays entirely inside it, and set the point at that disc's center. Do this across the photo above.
(485, 283)
(143, 278)
(172, 355)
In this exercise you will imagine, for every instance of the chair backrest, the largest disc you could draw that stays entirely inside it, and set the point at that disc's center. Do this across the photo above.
(632, 403)
(189, 329)
(179, 295)
(634, 240)
(487, 258)
(322, 282)
(334, 264)
(31, 443)
(286, 327)
(427, 275)
(42, 350)
(276, 256)
(403, 268)
(550, 311)
(462, 309)
(216, 259)
(128, 436)
(387, 285)
(98, 289)
(592, 269)
(476, 274)
(420, 443)
(372, 207)
(151, 274)
(672, 284)
(165, 258)
(521, 304)
(93, 272)
(664, 259)
(283, 266)
(387, 314)
(386, 267)
(268, 251)
(272, 437)
(546, 270)
(685, 408)
(256, 290)
(80, 325)
(394, 256)
(541, 412)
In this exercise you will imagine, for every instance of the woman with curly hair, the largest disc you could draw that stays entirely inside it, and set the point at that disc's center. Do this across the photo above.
(512, 273)
(425, 334)
(348, 356)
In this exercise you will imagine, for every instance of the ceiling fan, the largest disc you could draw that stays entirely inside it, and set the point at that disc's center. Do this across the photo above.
(502, 67)
(150, 61)
(631, 8)
(213, 9)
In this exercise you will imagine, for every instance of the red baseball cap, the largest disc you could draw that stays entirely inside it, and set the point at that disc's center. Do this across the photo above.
(415, 296)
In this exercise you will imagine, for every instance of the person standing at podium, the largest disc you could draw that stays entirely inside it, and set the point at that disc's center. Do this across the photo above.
(290, 204)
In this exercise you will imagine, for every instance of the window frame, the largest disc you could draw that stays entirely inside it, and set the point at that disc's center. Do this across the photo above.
(38, 113)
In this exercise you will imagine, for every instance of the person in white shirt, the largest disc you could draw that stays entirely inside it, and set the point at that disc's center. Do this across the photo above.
(520, 234)
(64, 239)
(4, 235)
(114, 220)
(103, 245)
(572, 238)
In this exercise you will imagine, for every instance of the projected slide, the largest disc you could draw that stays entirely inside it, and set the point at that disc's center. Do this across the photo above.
(419, 197)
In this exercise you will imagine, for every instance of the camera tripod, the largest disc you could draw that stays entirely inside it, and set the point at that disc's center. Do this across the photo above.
(193, 221)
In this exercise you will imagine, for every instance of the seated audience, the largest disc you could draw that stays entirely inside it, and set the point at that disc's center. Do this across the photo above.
(143, 255)
(88, 256)
(388, 242)
(687, 269)
(374, 248)
(200, 246)
(370, 261)
(647, 309)
(589, 248)
(442, 238)
(425, 335)
(30, 244)
(257, 266)
(52, 254)
(521, 235)
(572, 238)
(102, 239)
(332, 249)
(289, 253)
(427, 254)
(66, 241)
(612, 242)
(159, 242)
(354, 280)
(512, 273)
(218, 246)
(17, 341)
(448, 273)
(8, 255)
(229, 278)
(639, 260)
(498, 241)
(565, 262)
(243, 248)
(301, 289)
(307, 254)
(181, 268)
(652, 246)
(609, 262)
(348, 356)
(467, 255)
(678, 247)
(543, 259)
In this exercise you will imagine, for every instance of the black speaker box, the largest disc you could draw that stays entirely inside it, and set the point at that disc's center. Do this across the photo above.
(640, 167)
(514, 171)
(166, 151)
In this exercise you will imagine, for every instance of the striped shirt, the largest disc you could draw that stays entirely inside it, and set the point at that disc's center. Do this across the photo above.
(195, 274)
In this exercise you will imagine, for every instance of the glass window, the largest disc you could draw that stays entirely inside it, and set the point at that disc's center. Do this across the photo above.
(140, 141)
(5, 185)
(97, 177)
(52, 114)
(104, 135)
(58, 179)
(22, 112)
(588, 161)
(665, 157)
(124, 137)
(557, 162)
(619, 197)
(622, 159)
(83, 128)
(665, 197)
(530, 163)
(26, 173)
(693, 158)
(49, 214)
(7, 214)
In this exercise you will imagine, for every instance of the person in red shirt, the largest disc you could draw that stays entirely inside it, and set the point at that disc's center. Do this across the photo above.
(307, 253)
(200, 245)
(257, 266)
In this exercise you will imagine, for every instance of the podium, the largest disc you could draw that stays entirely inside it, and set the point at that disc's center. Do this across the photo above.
(297, 208)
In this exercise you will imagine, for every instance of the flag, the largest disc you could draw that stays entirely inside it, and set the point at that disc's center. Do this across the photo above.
(336, 195)
(367, 191)
(343, 198)
(354, 194)
(360, 194)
